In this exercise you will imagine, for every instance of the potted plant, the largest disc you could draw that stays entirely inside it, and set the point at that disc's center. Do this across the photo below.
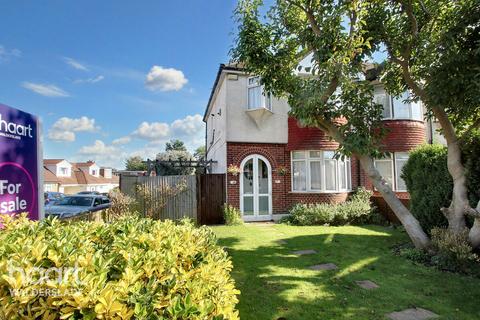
(282, 171)
(234, 170)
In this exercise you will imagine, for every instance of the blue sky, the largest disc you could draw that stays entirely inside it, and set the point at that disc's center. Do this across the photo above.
(111, 79)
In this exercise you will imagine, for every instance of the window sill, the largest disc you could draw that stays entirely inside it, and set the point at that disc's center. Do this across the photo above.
(403, 119)
(259, 108)
(320, 192)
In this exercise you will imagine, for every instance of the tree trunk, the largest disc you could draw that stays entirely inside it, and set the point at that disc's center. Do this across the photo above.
(411, 224)
(455, 213)
(474, 235)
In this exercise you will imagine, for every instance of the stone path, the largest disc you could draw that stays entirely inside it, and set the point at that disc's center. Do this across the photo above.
(324, 266)
(304, 252)
(367, 284)
(412, 314)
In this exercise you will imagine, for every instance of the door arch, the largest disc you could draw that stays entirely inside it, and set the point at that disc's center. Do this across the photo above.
(256, 188)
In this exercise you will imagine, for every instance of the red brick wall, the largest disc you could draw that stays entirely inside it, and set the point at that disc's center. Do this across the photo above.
(275, 153)
(307, 138)
(404, 135)
(282, 197)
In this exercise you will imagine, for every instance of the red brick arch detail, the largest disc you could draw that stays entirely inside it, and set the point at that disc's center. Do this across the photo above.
(255, 150)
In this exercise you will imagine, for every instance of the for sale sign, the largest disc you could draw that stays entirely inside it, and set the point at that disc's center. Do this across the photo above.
(20, 163)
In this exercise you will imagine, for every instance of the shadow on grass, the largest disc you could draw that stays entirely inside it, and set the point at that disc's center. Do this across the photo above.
(275, 284)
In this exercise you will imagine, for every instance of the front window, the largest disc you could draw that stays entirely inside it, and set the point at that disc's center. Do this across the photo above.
(257, 98)
(319, 171)
(398, 107)
(64, 171)
(390, 169)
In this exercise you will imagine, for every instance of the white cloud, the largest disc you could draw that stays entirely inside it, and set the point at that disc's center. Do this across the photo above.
(7, 54)
(64, 128)
(90, 80)
(47, 90)
(75, 64)
(98, 148)
(67, 136)
(122, 140)
(188, 126)
(152, 131)
(165, 79)
(103, 154)
(189, 129)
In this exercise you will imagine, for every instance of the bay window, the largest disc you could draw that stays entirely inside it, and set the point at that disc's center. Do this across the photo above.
(397, 108)
(391, 170)
(319, 171)
(257, 98)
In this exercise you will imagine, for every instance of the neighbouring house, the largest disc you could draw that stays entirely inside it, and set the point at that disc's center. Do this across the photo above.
(67, 177)
(282, 163)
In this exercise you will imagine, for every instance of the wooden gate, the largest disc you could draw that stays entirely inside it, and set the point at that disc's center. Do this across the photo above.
(211, 196)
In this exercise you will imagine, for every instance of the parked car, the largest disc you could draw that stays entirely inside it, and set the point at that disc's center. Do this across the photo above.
(52, 197)
(96, 193)
(71, 206)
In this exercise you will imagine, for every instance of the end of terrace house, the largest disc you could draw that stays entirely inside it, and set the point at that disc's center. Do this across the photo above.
(282, 163)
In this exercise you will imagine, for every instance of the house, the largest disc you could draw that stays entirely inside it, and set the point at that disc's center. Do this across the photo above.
(282, 163)
(67, 177)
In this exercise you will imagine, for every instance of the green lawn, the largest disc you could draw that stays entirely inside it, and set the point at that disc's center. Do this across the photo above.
(276, 284)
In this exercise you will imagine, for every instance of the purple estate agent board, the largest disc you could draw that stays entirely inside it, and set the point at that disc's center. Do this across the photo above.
(19, 163)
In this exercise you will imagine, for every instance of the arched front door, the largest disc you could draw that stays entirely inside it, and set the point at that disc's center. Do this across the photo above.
(256, 188)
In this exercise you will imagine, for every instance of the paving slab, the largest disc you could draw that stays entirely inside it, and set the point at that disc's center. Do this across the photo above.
(367, 284)
(304, 252)
(412, 314)
(324, 266)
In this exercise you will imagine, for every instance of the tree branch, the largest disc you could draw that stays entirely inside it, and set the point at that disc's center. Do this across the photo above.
(311, 18)
(473, 126)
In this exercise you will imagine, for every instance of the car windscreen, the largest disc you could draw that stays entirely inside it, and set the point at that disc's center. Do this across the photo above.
(75, 201)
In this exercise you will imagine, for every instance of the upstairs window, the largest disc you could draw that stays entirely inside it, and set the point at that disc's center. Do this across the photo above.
(396, 108)
(257, 98)
(319, 171)
(64, 171)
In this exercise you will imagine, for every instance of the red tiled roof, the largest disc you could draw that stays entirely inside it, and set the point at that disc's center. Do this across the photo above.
(52, 161)
(84, 164)
(49, 176)
(79, 176)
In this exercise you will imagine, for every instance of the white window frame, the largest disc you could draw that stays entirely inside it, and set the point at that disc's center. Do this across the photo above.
(391, 106)
(62, 173)
(398, 157)
(395, 156)
(307, 159)
(265, 99)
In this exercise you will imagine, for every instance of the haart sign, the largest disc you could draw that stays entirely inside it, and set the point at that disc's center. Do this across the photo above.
(20, 163)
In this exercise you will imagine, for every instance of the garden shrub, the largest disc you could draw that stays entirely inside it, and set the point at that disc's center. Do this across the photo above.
(232, 215)
(471, 153)
(132, 268)
(429, 184)
(121, 205)
(357, 210)
(453, 250)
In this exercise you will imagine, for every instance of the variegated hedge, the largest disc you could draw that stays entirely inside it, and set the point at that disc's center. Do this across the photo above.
(130, 269)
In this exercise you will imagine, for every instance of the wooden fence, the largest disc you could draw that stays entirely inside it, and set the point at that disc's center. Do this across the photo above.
(197, 197)
(163, 197)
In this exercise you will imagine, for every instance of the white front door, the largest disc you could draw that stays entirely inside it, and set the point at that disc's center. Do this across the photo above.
(256, 189)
